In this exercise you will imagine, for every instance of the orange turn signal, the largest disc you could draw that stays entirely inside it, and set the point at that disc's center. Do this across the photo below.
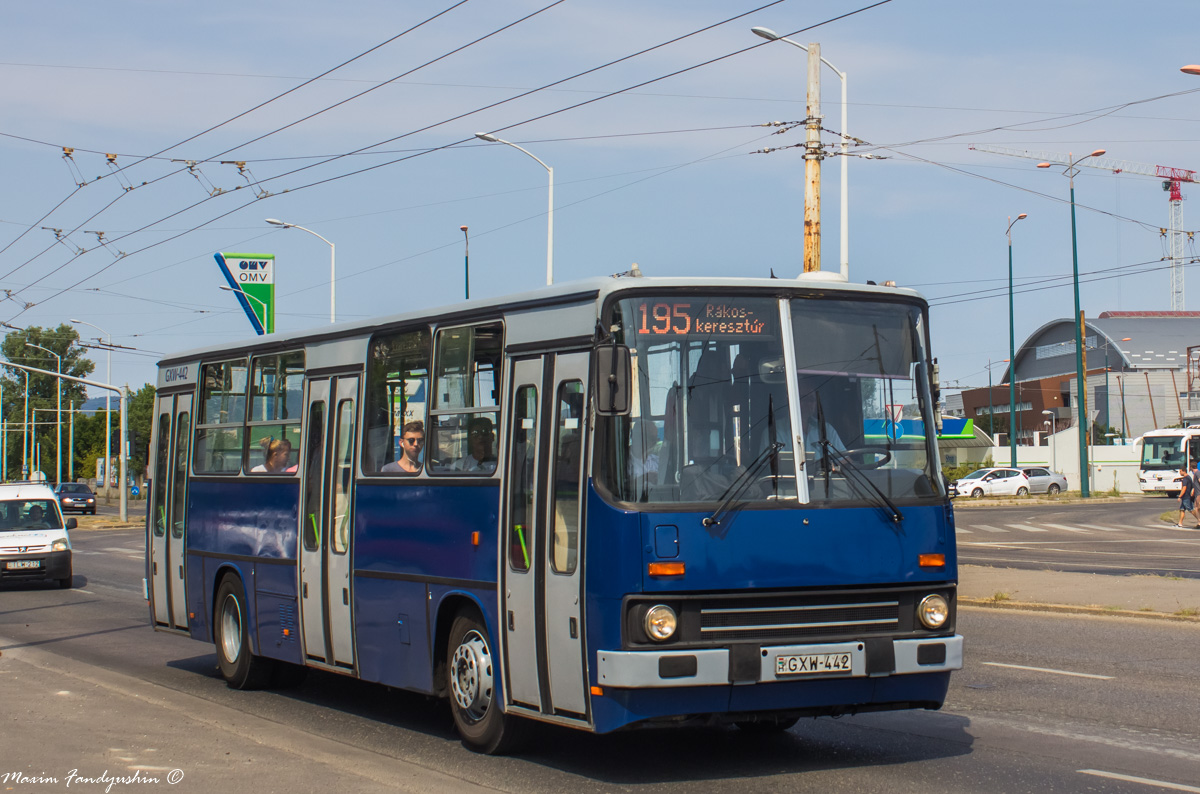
(287, 632)
(931, 560)
(474, 538)
(665, 569)
(191, 616)
(598, 691)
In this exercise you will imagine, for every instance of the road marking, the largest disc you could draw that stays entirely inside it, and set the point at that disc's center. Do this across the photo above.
(1070, 529)
(1025, 527)
(1143, 780)
(987, 528)
(1048, 670)
(961, 531)
(1105, 529)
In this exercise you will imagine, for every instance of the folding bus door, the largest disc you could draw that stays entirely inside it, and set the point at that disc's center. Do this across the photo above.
(564, 559)
(168, 510)
(326, 520)
(542, 526)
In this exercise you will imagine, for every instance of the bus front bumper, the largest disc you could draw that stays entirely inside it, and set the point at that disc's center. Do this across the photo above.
(764, 664)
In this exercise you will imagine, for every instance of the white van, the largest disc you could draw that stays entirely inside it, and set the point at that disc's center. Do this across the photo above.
(34, 545)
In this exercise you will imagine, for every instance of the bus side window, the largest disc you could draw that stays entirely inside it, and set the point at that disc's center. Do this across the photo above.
(397, 394)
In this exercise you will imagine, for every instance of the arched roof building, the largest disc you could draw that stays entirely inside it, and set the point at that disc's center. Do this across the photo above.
(1137, 375)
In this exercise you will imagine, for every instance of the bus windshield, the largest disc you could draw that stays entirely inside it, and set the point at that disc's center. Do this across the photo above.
(1161, 453)
(712, 413)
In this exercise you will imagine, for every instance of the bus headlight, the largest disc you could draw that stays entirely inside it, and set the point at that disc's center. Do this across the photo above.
(933, 611)
(660, 622)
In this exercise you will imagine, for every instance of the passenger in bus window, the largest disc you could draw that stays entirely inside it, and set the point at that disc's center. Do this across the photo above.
(278, 453)
(412, 443)
(480, 438)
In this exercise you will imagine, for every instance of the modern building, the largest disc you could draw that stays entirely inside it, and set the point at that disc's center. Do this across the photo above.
(1142, 371)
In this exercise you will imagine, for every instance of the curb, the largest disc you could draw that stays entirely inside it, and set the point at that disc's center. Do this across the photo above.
(1018, 501)
(1029, 606)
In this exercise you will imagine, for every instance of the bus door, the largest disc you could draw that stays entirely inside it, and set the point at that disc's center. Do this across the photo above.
(168, 511)
(542, 529)
(325, 520)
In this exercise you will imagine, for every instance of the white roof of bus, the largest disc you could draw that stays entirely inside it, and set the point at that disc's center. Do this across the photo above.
(600, 288)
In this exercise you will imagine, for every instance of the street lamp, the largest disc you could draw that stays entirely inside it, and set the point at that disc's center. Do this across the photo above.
(245, 294)
(1052, 423)
(1012, 349)
(484, 136)
(332, 265)
(107, 408)
(58, 391)
(844, 231)
(1070, 172)
(466, 263)
(1190, 69)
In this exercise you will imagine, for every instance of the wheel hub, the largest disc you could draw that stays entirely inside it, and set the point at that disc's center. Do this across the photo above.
(471, 675)
(231, 629)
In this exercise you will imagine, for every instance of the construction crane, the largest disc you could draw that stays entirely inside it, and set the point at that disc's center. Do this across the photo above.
(1173, 179)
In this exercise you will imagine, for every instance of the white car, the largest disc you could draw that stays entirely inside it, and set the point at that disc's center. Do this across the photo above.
(992, 482)
(34, 545)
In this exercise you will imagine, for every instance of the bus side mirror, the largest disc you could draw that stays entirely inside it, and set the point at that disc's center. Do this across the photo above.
(613, 376)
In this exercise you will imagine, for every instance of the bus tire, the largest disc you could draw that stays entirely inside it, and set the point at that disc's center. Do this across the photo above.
(231, 636)
(471, 684)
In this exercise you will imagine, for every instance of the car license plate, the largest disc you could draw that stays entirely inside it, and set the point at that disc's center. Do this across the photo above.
(18, 564)
(812, 663)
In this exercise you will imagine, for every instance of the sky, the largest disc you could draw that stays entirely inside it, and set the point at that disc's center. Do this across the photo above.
(652, 125)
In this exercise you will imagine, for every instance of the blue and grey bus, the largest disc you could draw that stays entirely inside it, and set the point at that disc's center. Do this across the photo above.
(623, 502)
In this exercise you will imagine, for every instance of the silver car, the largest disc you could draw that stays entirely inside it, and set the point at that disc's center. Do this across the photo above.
(1043, 480)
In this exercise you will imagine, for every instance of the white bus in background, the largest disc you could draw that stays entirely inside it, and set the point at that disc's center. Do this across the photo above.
(1164, 453)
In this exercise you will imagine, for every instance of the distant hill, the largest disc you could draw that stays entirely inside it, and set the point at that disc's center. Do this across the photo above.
(97, 404)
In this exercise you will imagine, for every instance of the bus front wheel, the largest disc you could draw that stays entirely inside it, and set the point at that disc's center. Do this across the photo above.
(231, 635)
(471, 676)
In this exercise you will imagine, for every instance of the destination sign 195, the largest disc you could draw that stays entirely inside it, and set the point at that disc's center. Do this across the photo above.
(746, 317)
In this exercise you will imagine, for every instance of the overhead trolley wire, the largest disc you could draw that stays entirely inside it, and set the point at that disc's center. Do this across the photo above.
(211, 129)
(478, 110)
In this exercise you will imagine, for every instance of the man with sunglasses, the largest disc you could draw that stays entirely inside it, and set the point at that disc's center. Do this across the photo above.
(412, 442)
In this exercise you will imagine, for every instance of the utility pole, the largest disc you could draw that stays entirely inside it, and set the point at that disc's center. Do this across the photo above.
(813, 154)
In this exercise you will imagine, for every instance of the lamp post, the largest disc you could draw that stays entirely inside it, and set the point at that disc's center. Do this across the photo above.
(1012, 349)
(844, 231)
(58, 423)
(991, 407)
(1070, 172)
(1052, 423)
(484, 136)
(248, 296)
(466, 263)
(107, 409)
(1048, 424)
(332, 264)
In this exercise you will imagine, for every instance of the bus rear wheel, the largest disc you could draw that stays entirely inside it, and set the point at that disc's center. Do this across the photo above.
(231, 635)
(471, 682)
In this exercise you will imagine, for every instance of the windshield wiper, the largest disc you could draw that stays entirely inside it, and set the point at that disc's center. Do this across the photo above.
(743, 481)
(850, 467)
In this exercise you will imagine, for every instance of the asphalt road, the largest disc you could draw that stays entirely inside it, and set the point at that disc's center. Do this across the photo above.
(1045, 703)
(1117, 538)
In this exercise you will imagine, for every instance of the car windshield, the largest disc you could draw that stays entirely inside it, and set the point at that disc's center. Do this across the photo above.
(975, 475)
(74, 488)
(1162, 453)
(713, 392)
(20, 514)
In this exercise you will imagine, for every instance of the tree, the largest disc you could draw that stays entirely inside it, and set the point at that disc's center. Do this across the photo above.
(140, 406)
(43, 389)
